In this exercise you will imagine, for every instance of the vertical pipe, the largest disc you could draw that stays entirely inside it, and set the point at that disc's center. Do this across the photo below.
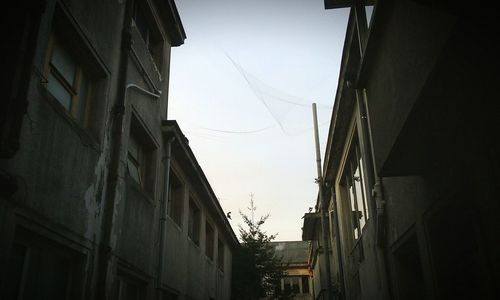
(339, 248)
(163, 213)
(321, 204)
(105, 274)
(378, 195)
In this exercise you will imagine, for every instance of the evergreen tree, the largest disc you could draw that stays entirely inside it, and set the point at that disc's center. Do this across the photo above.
(256, 269)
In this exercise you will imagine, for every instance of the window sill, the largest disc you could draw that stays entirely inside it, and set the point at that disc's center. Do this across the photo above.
(85, 136)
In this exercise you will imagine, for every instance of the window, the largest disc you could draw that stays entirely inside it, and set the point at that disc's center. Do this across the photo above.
(39, 268)
(140, 156)
(209, 245)
(354, 181)
(176, 199)
(135, 162)
(75, 77)
(129, 287)
(194, 221)
(147, 27)
(67, 82)
(220, 255)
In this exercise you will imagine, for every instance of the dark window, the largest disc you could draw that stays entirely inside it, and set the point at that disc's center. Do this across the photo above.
(67, 81)
(135, 162)
(354, 180)
(220, 255)
(194, 222)
(130, 288)
(209, 245)
(176, 199)
(140, 157)
(146, 25)
(42, 269)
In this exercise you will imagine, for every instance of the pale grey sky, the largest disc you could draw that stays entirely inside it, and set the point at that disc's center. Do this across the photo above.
(241, 89)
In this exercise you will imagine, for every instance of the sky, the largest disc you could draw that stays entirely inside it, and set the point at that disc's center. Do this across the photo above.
(241, 89)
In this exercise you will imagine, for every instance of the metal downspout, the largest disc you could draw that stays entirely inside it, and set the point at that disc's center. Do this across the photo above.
(104, 259)
(163, 211)
(378, 195)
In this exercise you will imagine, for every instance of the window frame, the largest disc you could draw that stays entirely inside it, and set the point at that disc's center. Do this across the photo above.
(194, 221)
(136, 160)
(40, 248)
(72, 88)
(175, 208)
(209, 241)
(353, 165)
(220, 254)
(150, 32)
(147, 152)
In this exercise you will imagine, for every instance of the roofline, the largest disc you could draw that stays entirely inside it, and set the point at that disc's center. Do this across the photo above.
(175, 28)
(330, 4)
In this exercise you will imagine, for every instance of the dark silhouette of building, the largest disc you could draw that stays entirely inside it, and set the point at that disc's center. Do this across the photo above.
(89, 206)
(411, 167)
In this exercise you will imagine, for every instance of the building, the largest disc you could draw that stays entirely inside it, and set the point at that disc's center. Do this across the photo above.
(297, 280)
(411, 172)
(85, 210)
(199, 239)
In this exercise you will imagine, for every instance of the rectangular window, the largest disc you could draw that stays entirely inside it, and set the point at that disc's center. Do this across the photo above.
(148, 28)
(220, 255)
(75, 79)
(140, 157)
(209, 245)
(130, 288)
(176, 199)
(354, 180)
(39, 268)
(67, 82)
(135, 164)
(194, 221)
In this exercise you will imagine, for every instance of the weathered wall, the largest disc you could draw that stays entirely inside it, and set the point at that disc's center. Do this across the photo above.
(399, 67)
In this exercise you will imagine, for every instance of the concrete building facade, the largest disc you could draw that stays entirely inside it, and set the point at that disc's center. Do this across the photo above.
(84, 202)
(411, 170)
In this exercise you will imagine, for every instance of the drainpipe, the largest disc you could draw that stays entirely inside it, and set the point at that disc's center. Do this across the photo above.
(378, 195)
(105, 264)
(104, 273)
(163, 211)
(377, 191)
(322, 205)
(339, 248)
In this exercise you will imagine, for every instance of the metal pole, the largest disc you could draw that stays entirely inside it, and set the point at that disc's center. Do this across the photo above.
(322, 205)
(163, 212)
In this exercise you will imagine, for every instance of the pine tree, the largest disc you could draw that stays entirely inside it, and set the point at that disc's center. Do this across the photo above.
(257, 271)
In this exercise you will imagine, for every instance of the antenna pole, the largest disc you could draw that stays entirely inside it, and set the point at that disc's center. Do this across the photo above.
(321, 206)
